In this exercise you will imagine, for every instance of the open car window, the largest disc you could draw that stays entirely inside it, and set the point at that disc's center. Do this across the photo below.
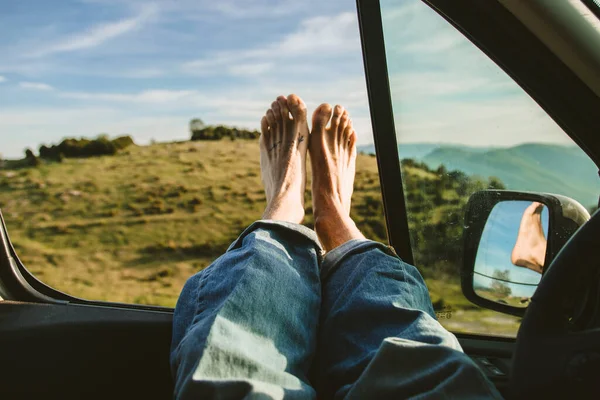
(105, 194)
(463, 125)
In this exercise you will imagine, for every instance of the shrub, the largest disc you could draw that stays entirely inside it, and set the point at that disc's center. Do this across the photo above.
(83, 148)
(31, 159)
(219, 132)
(122, 142)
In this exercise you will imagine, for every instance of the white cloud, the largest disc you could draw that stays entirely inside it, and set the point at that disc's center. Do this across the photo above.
(201, 10)
(239, 9)
(97, 35)
(323, 36)
(250, 69)
(442, 42)
(498, 122)
(428, 86)
(319, 37)
(146, 96)
(2, 79)
(35, 86)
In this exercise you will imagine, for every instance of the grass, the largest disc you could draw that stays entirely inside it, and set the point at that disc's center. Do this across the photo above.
(133, 227)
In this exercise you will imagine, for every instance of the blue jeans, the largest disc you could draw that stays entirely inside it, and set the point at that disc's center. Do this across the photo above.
(272, 319)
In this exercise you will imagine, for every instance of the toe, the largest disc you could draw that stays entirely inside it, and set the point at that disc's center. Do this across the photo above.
(277, 112)
(264, 133)
(297, 107)
(283, 108)
(321, 118)
(348, 130)
(271, 120)
(344, 120)
(337, 115)
(264, 127)
(352, 143)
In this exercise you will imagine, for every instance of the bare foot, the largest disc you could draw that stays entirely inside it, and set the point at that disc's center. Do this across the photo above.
(333, 160)
(283, 146)
(530, 249)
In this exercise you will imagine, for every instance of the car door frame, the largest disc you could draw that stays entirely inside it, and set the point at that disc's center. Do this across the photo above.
(36, 315)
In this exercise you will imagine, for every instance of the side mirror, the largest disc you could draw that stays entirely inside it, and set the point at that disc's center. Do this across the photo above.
(510, 239)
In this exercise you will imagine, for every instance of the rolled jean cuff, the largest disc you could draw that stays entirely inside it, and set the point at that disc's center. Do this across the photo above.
(269, 224)
(334, 258)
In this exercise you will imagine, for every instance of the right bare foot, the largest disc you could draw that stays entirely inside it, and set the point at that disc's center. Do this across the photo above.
(530, 248)
(333, 159)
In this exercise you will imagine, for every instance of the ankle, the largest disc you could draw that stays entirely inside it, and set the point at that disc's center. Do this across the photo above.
(284, 211)
(334, 229)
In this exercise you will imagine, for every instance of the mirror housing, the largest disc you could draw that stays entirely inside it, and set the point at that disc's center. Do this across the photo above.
(498, 217)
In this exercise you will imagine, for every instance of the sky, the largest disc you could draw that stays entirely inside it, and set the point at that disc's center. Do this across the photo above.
(145, 68)
(497, 242)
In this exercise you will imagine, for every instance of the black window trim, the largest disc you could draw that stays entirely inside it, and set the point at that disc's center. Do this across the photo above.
(384, 130)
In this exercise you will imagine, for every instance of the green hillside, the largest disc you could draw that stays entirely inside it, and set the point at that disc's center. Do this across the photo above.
(134, 226)
(418, 151)
(536, 167)
(533, 167)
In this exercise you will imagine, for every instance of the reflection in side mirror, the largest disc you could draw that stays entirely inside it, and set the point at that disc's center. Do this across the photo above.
(511, 253)
(510, 240)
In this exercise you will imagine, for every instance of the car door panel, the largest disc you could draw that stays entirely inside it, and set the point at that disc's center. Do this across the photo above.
(82, 351)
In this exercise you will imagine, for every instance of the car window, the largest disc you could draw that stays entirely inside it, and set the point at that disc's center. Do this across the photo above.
(463, 125)
(113, 200)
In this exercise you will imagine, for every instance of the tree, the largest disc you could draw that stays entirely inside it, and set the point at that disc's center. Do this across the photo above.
(495, 183)
(196, 124)
(32, 160)
(499, 285)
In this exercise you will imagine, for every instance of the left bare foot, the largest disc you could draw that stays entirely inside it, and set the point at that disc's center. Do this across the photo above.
(283, 145)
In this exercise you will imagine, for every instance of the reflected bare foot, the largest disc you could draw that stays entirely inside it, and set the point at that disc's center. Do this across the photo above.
(283, 146)
(530, 249)
(333, 161)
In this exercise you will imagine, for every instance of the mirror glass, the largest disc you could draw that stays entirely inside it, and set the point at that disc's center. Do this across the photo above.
(511, 253)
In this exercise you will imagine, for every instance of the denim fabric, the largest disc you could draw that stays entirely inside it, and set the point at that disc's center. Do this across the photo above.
(378, 336)
(248, 325)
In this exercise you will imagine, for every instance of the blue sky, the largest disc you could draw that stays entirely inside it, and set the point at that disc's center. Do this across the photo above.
(497, 242)
(83, 67)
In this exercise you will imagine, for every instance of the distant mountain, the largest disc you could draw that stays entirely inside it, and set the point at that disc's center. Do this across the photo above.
(536, 167)
(533, 167)
(419, 150)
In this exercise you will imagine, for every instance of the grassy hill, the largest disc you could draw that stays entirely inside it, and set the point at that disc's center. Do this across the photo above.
(134, 226)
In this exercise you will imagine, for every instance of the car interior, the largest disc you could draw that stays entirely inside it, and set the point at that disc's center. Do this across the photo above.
(57, 345)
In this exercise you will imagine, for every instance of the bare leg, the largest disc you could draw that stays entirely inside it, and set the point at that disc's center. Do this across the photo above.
(283, 146)
(333, 160)
(530, 248)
